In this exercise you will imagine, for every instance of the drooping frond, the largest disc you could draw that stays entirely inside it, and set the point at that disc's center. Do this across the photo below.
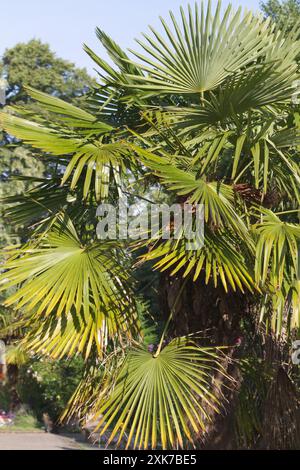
(218, 260)
(278, 244)
(73, 295)
(216, 197)
(98, 158)
(277, 266)
(165, 400)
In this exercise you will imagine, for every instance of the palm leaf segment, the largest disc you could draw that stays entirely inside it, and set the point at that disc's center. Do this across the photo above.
(84, 144)
(73, 296)
(277, 265)
(164, 400)
(47, 196)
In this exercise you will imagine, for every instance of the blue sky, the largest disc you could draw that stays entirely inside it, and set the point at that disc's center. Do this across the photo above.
(67, 24)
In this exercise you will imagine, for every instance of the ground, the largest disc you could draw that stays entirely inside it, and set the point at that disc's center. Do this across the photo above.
(41, 441)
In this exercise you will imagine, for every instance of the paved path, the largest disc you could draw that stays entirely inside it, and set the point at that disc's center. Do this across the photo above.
(40, 441)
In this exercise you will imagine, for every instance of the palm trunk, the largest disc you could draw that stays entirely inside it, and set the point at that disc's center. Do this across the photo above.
(12, 376)
(204, 308)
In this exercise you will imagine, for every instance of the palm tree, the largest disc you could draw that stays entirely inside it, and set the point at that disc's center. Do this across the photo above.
(205, 113)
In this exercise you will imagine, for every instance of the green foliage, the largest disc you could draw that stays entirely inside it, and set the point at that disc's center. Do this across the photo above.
(206, 117)
(285, 13)
(47, 385)
(34, 64)
(24, 421)
(208, 48)
(159, 400)
(76, 296)
(14, 163)
(98, 156)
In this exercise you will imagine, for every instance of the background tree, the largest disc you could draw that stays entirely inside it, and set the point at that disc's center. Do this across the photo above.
(285, 13)
(32, 63)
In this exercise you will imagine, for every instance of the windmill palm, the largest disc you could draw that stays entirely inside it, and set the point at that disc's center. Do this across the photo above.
(207, 111)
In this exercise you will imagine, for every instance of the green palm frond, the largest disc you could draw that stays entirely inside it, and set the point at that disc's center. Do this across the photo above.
(80, 292)
(207, 49)
(69, 114)
(277, 267)
(203, 116)
(280, 308)
(96, 158)
(117, 55)
(278, 244)
(271, 164)
(249, 89)
(219, 259)
(47, 196)
(161, 401)
(285, 312)
(254, 149)
(77, 333)
(216, 197)
(294, 298)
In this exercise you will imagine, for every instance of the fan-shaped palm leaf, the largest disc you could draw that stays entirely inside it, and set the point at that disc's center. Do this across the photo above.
(277, 266)
(165, 400)
(79, 292)
(249, 89)
(205, 51)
